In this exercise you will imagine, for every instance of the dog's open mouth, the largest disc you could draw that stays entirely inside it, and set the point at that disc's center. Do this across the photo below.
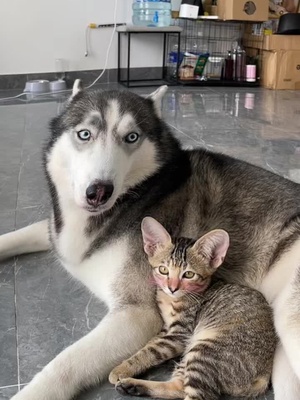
(93, 210)
(100, 209)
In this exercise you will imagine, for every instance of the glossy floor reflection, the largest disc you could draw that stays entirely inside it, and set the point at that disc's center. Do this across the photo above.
(42, 310)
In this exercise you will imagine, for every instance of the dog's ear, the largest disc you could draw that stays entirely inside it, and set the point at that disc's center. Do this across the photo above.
(155, 236)
(157, 97)
(77, 87)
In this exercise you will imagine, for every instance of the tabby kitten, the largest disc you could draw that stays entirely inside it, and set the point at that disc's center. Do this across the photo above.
(225, 332)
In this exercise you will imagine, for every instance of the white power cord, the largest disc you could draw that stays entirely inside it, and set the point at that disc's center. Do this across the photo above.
(94, 82)
(87, 31)
(109, 46)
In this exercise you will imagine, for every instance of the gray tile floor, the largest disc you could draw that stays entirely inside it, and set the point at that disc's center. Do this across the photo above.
(42, 310)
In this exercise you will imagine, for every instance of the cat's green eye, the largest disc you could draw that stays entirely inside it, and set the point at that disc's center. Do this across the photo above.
(163, 270)
(188, 275)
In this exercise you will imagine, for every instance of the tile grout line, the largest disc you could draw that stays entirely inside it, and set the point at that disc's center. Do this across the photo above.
(15, 264)
(15, 304)
(178, 130)
(21, 167)
(12, 386)
(186, 135)
(17, 331)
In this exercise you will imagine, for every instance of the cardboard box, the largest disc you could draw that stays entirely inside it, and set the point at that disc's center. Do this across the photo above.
(243, 10)
(280, 59)
(281, 42)
(281, 69)
(272, 42)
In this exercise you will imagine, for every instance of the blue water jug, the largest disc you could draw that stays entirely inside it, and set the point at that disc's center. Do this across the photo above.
(151, 12)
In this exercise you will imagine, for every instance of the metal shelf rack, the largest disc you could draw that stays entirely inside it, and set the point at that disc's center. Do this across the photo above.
(204, 35)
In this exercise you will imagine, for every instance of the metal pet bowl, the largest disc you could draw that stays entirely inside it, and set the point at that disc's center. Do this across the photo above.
(37, 86)
(289, 24)
(57, 86)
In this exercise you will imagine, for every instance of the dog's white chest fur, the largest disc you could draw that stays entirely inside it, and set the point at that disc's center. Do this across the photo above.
(98, 272)
(101, 270)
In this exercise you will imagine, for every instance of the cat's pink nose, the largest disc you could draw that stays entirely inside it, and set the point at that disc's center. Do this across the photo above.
(173, 289)
(173, 284)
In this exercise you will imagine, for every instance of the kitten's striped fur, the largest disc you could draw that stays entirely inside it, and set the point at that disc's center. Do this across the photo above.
(224, 332)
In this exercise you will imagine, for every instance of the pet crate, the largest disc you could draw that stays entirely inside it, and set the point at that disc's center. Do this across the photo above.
(211, 37)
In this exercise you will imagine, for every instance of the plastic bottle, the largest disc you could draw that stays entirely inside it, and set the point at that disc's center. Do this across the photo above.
(240, 64)
(228, 68)
(172, 62)
(200, 5)
(151, 13)
(233, 55)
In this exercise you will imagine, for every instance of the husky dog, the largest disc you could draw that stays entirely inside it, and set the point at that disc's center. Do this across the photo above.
(110, 161)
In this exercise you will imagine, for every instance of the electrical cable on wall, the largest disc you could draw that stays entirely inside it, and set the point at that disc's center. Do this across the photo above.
(108, 48)
(87, 31)
(90, 26)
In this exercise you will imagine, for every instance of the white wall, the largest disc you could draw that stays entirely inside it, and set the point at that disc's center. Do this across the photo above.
(33, 33)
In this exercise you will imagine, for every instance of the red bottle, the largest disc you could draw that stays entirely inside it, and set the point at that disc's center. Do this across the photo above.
(228, 67)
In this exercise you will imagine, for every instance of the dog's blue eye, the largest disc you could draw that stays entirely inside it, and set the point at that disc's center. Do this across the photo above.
(84, 135)
(131, 137)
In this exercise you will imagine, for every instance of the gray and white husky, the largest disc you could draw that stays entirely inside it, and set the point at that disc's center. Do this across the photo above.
(110, 161)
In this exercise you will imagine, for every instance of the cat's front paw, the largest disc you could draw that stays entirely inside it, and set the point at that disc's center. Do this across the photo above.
(118, 373)
(131, 387)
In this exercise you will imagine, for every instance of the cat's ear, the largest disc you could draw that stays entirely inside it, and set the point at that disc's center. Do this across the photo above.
(154, 236)
(214, 246)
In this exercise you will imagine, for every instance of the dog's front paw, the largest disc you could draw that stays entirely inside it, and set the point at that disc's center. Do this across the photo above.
(131, 387)
(118, 373)
(26, 394)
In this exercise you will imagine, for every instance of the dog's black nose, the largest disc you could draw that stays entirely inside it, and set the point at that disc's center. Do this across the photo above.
(99, 192)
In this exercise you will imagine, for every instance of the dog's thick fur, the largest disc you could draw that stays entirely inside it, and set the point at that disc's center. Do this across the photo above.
(190, 192)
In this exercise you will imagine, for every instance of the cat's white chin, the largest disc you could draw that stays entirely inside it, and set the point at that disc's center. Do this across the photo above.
(176, 295)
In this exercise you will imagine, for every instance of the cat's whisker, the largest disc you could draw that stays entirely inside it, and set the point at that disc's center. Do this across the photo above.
(191, 295)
